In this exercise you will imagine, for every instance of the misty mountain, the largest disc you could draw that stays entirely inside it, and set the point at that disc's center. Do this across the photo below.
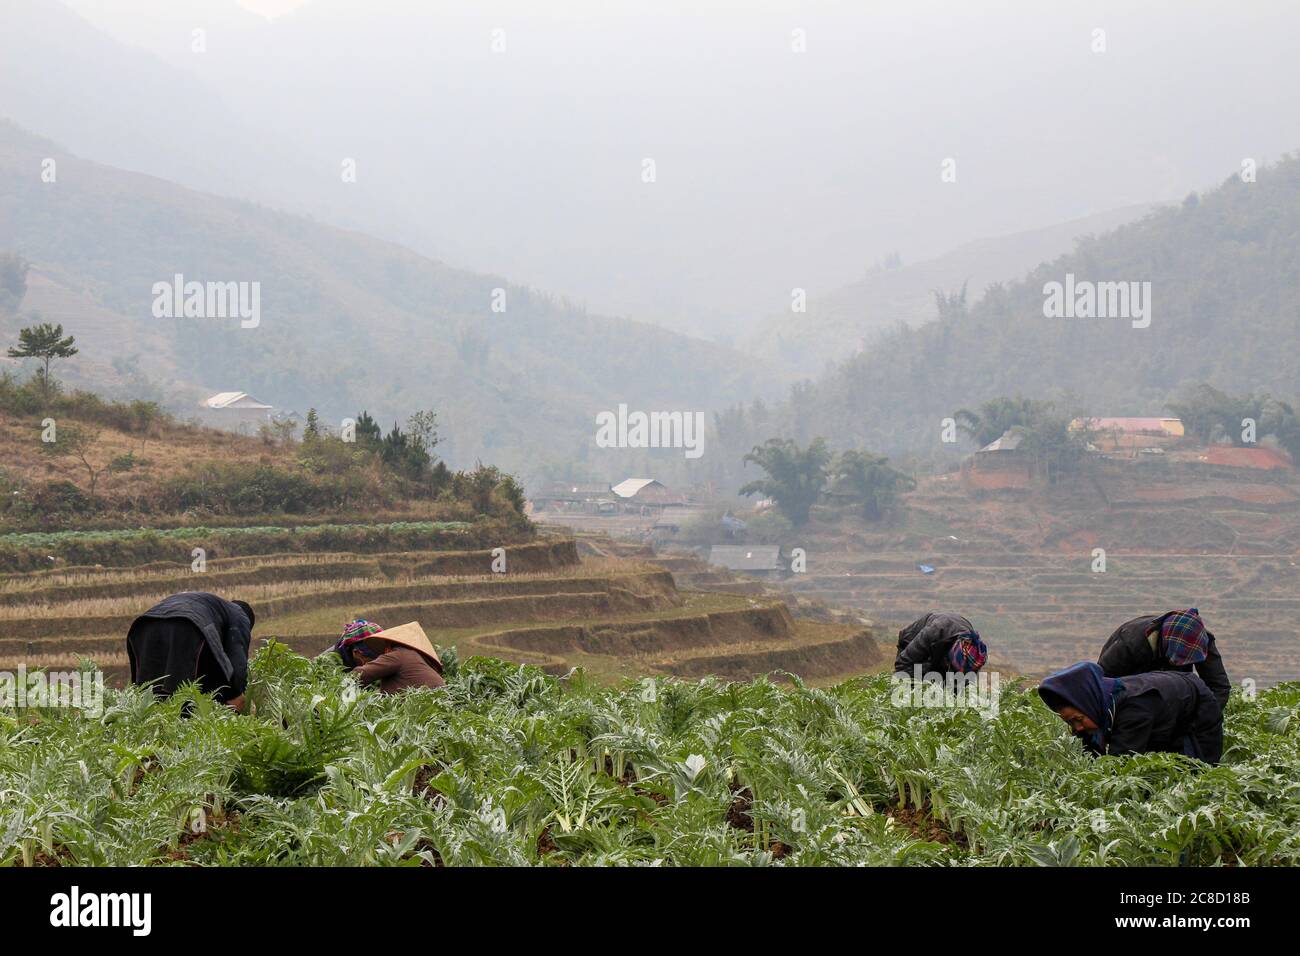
(128, 108)
(1222, 306)
(849, 318)
(347, 322)
(776, 169)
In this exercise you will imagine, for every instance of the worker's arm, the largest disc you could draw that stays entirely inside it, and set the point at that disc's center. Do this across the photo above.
(1215, 675)
(236, 643)
(385, 665)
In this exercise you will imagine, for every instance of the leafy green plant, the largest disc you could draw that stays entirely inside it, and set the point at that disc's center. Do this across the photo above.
(509, 766)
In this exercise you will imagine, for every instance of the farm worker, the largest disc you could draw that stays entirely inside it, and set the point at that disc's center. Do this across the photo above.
(1174, 641)
(1162, 711)
(939, 643)
(351, 647)
(404, 658)
(193, 636)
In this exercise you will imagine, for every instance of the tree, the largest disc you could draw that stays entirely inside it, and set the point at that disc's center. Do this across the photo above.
(405, 453)
(871, 480)
(311, 430)
(1279, 419)
(996, 416)
(368, 432)
(423, 429)
(283, 429)
(13, 281)
(796, 478)
(77, 442)
(1054, 448)
(45, 342)
(1205, 412)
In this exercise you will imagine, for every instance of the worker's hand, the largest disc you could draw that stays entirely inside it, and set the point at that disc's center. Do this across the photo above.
(236, 704)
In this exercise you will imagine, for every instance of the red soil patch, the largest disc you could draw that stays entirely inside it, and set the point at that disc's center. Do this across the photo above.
(1245, 457)
(923, 826)
(738, 813)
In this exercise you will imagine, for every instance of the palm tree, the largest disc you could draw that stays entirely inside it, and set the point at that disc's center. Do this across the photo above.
(873, 482)
(994, 417)
(796, 478)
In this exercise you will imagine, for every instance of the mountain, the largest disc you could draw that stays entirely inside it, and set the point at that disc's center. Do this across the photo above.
(851, 317)
(1223, 306)
(347, 322)
(61, 76)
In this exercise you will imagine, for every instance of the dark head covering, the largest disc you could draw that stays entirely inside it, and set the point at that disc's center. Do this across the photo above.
(1085, 688)
(247, 609)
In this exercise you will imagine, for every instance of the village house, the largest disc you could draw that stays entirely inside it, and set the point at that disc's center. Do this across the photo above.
(645, 495)
(1001, 465)
(1130, 436)
(755, 560)
(234, 411)
(568, 497)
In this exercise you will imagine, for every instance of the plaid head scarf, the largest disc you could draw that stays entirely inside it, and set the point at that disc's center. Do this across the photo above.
(1183, 638)
(968, 653)
(353, 640)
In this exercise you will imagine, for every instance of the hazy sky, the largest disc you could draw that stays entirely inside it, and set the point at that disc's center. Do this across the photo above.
(775, 168)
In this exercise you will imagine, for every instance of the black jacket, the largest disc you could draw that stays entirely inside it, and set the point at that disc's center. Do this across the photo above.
(191, 636)
(1127, 652)
(926, 642)
(1169, 712)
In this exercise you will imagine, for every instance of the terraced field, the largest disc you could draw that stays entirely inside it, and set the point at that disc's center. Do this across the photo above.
(1022, 569)
(1226, 541)
(610, 609)
(1040, 612)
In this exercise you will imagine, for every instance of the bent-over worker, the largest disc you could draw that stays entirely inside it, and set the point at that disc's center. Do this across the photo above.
(1163, 711)
(405, 658)
(193, 636)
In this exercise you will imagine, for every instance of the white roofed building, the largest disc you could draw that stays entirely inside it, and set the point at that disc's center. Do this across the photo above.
(236, 411)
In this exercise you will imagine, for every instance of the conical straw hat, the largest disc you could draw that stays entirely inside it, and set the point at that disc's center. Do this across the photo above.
(409, 635)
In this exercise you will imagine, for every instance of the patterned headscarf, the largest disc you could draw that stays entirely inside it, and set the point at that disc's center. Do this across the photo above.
(353, 640)
(967, 653)
(1183, 638)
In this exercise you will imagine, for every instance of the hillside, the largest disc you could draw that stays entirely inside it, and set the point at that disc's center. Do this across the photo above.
(348, 322)
(1224, 277)
(850, 318)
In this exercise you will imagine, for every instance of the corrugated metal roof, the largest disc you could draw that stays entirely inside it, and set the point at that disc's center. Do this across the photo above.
(568, 488)
(1009, 441)
(233, 400)
(757, 557)
(629, 487)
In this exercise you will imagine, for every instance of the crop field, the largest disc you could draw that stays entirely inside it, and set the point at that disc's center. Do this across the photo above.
(509, 765)
(58, 551)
